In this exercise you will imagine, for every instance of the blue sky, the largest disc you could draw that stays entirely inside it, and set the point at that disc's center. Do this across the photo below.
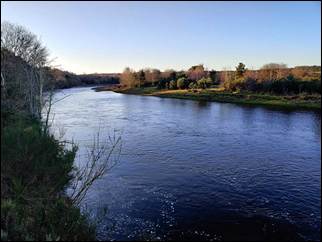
(87, 37)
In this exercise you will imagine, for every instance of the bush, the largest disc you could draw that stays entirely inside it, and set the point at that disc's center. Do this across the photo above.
(173, 84)
(204, 83)
(289, 85)
(182, 83)
(192, 85)
(282, 86)
(163, 84)
(35, 170)
(233, 85)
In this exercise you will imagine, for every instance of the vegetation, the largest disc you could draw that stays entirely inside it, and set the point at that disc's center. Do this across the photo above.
(36, 168)
(63, 79)
(204, 83)
(219, 95)
(271, 78)
(275, 79)
(240, 70)
(182, 83)
(273, 84)
(22, 59)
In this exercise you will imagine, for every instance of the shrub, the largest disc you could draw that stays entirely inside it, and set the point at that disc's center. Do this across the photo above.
(35, 170)
(233, 85)
(290, 85)
(192, 85)
(204, 83)
(173, 84)
(285, 86)
(240, 84)
(162, 84)
(182, 83)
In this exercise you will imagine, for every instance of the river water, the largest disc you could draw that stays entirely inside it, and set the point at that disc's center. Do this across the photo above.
(198, 170)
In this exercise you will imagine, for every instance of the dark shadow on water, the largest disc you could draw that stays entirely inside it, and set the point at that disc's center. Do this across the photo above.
(203, 104)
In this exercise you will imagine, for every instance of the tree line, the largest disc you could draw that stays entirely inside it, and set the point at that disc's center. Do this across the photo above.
(273, 78)
(64, 79)
(169, 79)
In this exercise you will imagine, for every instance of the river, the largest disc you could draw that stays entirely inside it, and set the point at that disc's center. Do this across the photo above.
(199, 170)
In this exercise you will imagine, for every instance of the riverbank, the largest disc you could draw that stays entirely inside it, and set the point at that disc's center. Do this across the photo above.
(35, 171)
(219, 95)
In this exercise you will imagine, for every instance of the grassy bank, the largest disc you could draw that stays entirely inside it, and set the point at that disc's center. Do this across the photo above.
(35, 171)
(218, 95)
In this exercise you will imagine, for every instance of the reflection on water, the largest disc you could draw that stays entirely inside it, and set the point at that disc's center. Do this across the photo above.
(200, 170)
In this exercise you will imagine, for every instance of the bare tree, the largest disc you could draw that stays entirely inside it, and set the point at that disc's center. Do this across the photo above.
(102, 156)
(274, 66)
(21, 43)
(274, 71)
(196, 72)
(129, 78)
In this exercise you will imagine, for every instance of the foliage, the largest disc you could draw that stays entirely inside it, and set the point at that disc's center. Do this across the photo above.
(129, 78)
(169, 75)
(204, 83)
(35, 169)
(214, 77)
(271, 78)
(282, 86)
(152, 76)
(196, 72)
(290, 85)
(237, 84)
(193, 85)
(240, 70)
(162, 84)
(302, 101)
(182, 83)
(173, 84)
(141, 78)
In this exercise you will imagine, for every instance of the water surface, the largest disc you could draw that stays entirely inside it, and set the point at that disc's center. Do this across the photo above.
(199, 170)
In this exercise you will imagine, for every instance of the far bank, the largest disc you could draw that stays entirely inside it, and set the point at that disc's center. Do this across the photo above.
(301, 101)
